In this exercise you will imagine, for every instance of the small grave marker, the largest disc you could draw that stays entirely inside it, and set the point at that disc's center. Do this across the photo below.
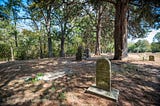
(151, 58)
(103, 81)
(79, 53)
(87, 53)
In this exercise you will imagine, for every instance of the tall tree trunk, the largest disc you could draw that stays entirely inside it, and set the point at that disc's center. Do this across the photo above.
(98, 31)
(15, 34)
(40, 47)
(62, 54)
(48, 27)
(63, 29)
(16, 38)
(50, 49)
(12, 53)
(120, 33)
(45, 49)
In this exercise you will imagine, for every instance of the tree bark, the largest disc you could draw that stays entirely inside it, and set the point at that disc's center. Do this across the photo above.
(99, 30)
(120, 33)
(16, 39)
(45, 47)
(12, 53)
(40, 47)
(63, 28)
(15, 34)
(48, 27)
(50, 49)
(62, 54)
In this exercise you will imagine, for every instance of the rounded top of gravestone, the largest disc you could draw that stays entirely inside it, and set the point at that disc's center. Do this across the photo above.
(103, 63)
(104, 60)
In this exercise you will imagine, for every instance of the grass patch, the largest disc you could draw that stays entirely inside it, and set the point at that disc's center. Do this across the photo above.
(36, 78)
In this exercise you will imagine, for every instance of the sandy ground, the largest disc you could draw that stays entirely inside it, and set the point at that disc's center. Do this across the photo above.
(137, 79)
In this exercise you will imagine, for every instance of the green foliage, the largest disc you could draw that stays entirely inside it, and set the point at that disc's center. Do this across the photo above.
(131, 47)
(35, 79)
(143, 16)
(156, 38)
(72, 44)
(77, 22)
(155, 46)
(71, 51)
(139, 47)
(62, 95)
(142, 46)
(28, 48)
(53, 88)
(85, 27)
(5, 51)
(40, 74)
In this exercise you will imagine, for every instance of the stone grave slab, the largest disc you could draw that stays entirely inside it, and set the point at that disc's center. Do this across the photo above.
(103, 80)
(49, 76)
(113, 94)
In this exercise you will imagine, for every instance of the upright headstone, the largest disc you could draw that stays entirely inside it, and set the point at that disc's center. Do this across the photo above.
(151, 58)
(87, 52)
(79, 54)
(103, 74)
(103, 80)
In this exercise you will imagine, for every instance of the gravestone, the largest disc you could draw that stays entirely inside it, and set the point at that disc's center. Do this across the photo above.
(103, 81)
(79, 54)
(87, 52)
(103, 74)
(151, 58)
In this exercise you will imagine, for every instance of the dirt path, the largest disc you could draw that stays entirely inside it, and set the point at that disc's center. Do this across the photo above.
(137, 81)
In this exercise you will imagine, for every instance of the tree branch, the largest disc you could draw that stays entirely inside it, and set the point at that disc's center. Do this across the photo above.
(89, 16)
(45, 18)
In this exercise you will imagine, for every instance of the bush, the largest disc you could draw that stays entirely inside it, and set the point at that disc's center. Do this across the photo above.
(5, 51)
(155, 47)
(139, 47)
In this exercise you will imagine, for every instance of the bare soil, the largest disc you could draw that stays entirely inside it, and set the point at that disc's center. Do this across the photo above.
(137, 79)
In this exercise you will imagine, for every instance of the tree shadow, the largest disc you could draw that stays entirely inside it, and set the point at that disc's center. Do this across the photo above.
(138, 86)
(10, 73)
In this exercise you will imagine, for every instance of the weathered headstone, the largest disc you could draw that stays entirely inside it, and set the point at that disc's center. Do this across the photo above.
(79, 54)
(151, 58)
(87, 52)
(103, 74)
(103, 80)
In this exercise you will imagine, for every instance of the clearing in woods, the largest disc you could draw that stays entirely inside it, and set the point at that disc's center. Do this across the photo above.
(137, 79)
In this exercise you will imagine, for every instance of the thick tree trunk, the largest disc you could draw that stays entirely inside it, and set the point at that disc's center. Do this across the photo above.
(50, 49)
(48, 26)
(63, 34)
(120, 33)
(98, 31)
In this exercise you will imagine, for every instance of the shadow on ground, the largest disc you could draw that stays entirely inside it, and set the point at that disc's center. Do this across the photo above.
(138, 84)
